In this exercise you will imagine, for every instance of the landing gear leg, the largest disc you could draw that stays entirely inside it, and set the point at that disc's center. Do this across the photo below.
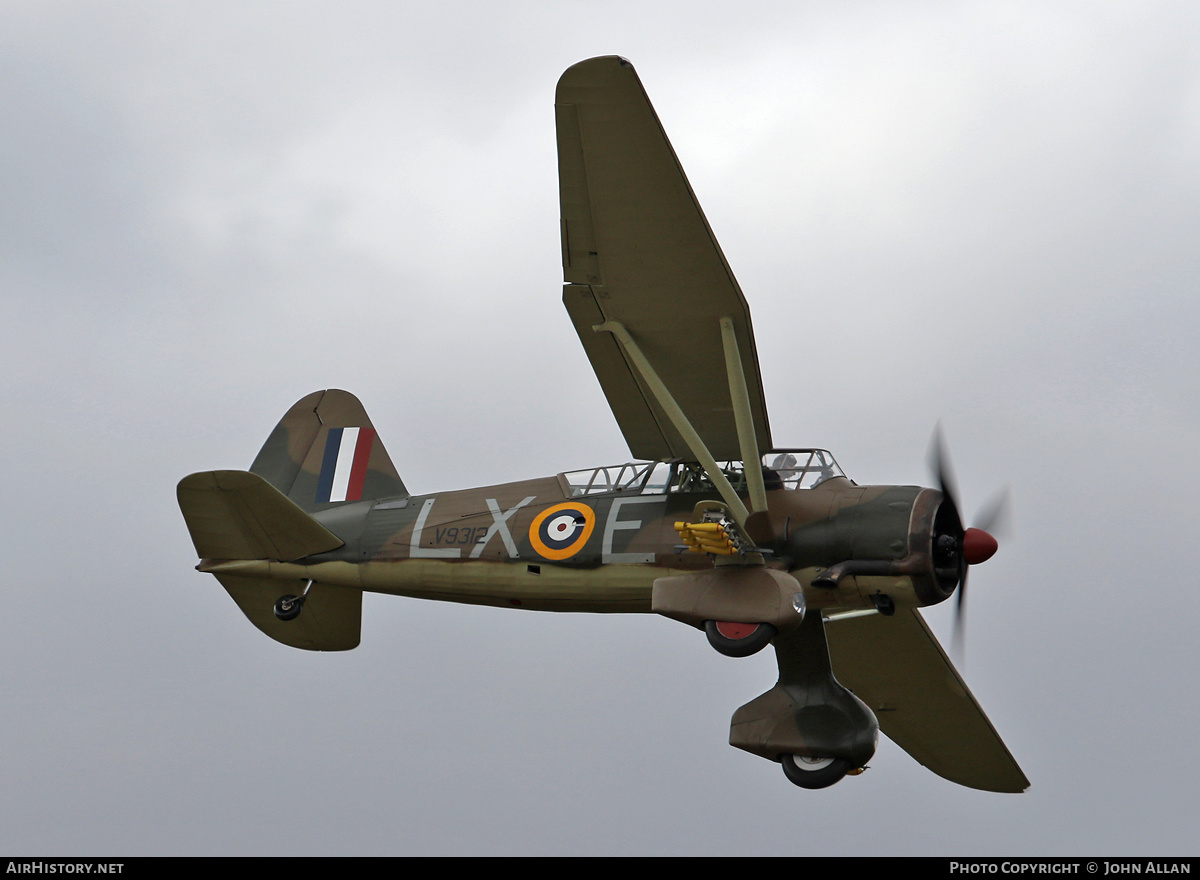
(808, 722)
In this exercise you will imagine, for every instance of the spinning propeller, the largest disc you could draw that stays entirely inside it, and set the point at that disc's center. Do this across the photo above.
(956, 549)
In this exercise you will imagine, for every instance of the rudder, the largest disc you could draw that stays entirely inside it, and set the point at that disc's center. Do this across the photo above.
(325, 451)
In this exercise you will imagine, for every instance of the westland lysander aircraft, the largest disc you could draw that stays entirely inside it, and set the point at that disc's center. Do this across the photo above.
(713, 526)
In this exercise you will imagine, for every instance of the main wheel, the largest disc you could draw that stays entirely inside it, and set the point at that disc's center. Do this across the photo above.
(289, 607)
(809, 772)
(738, 639)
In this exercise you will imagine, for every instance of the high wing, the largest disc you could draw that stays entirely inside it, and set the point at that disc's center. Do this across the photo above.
(896, 666)
(668, 333)
(641, 263)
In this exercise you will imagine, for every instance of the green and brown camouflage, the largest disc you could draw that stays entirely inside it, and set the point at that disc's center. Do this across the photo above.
(716, 528)
(483, 545)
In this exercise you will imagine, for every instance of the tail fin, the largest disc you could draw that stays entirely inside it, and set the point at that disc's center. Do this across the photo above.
(324, 451)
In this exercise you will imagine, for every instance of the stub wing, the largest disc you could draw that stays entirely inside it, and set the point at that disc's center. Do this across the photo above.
(896, 666)
(638, 251)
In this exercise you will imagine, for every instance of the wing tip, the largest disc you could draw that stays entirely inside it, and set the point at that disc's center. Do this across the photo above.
(586, 72)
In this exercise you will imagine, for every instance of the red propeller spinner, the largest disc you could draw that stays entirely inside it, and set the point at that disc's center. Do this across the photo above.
(978, 546)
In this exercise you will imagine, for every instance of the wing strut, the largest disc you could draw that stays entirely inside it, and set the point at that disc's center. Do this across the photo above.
(741, 410)
(739, 394)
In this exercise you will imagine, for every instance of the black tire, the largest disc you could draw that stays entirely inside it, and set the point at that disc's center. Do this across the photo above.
(749, 644)
(813, 773)
(288, 607)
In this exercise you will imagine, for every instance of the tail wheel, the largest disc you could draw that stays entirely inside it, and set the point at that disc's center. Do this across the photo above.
(814, 772)
(288, 607)
(738, 639)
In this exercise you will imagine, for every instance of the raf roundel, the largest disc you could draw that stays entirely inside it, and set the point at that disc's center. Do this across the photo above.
(559, 532)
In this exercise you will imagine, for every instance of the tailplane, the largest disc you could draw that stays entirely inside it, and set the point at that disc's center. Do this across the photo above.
(323, 453)
(239, 515)
(235, 515)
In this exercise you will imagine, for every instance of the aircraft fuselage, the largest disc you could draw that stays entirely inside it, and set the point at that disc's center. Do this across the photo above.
(536, 545)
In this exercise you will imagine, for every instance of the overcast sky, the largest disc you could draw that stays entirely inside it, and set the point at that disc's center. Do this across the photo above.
(985, 214)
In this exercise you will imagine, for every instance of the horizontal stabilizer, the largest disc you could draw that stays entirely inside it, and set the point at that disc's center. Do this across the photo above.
(239, 515)
(331, 619)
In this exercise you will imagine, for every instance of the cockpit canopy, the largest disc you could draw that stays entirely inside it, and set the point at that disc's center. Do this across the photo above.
(782, 469)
